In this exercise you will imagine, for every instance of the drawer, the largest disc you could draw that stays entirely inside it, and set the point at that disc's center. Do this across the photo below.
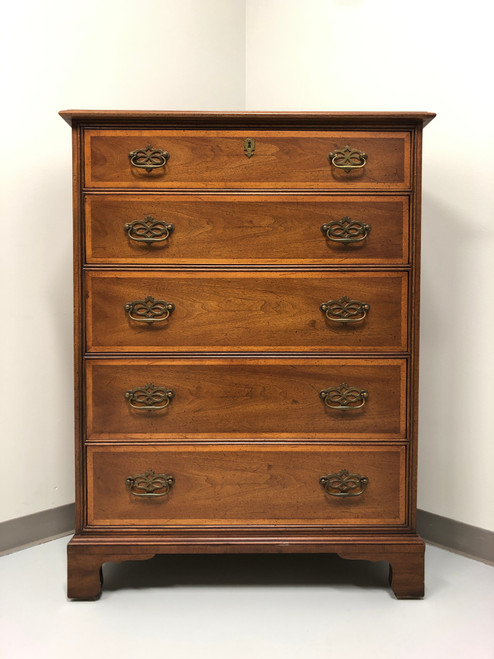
(217, 159)
(224, 485)
(233, 398)
(245, 229)
(245, 311)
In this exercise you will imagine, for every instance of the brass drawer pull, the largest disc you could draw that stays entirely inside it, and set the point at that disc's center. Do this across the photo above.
(344, 484)
(345, 310)
(348, 159)
(148, 230)
(344, 397)
(149, 397)
(149, 484)
(346, 231)
(149, 310)
(148, 158)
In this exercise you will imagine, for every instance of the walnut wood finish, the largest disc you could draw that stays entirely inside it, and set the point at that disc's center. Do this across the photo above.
(246, 485)
(212, 159)
(84, 567)
(256, 216)
(246, 311)
(87, 553)
(246, 398)
(245, 229)
(258, 120)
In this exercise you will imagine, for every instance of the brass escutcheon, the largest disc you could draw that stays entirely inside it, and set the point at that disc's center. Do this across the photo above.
(249, 147)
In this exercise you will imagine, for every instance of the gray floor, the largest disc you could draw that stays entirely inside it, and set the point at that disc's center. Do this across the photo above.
(240, 607)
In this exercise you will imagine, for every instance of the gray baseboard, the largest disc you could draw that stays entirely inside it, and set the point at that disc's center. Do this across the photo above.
(456, 536)
(37, 528)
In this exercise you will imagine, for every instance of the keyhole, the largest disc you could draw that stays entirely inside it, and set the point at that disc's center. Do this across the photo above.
(249, 147)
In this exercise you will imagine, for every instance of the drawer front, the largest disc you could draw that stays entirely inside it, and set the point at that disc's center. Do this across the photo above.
(245, 485)
(237, 398)
(246, 229)
(242, 311)
(217, 159)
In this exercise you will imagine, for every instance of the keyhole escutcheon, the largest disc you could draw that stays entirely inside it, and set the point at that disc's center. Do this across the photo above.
(249, 147)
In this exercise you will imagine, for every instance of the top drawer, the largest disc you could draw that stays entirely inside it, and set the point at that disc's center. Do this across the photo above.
(247, 159)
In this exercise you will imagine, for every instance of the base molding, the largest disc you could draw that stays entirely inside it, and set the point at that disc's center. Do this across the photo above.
(462, 538)
(87, 554)
(23, 532)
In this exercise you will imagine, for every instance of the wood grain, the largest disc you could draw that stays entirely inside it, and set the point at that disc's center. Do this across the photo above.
(264, 120)
(244, 311)
(246, 398)
(88, 551)
(246, 485)
(79, 339)
(247, 238)
(245, 229)
(216, 159)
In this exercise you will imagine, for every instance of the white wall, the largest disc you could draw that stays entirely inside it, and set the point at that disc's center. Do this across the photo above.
(117, 54)
(389, 55)
(280, 55)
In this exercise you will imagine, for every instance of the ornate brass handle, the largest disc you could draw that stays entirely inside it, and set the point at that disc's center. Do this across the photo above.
(346, 231)
(348, 159)
(149, 310)
(344, 397)
(148, 158)
(149, 484)
(148, 230)
(149, 397)
(344, 484)
(345, 310)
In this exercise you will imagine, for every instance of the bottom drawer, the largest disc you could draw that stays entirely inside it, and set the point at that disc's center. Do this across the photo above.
(245, 485)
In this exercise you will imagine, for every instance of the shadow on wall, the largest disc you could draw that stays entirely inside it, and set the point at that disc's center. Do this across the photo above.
(56, 241)
(449, 359)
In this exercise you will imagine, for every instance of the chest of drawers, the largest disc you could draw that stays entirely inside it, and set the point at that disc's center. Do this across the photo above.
(246, 337)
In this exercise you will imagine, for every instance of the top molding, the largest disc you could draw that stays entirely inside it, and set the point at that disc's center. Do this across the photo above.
(277, 120)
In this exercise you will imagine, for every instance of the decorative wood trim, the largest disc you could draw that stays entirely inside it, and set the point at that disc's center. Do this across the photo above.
(246, 119)
(414, 318)
(86, 555)
(78, 326)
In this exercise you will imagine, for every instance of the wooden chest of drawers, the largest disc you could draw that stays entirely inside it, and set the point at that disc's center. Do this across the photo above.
(246, 337)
